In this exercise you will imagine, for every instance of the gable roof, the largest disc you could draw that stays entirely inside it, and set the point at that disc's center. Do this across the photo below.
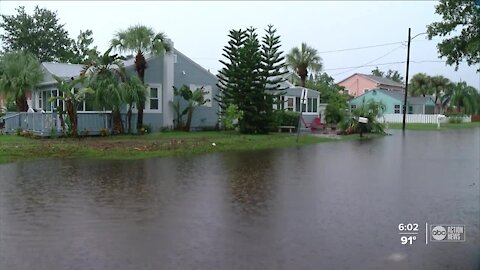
(382, 80)
(400, 97)
(377, 79)
(63, 70)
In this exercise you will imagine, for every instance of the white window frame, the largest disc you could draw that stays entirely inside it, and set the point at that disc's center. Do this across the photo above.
(159, 98)
(397, 107)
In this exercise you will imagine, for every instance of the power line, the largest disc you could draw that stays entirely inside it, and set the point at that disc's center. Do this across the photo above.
(364, 47)
(388, 63)
(369, 62)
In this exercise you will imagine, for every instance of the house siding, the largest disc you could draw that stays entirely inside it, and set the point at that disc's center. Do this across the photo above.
(377, 96)
(357, 84)
(186, 72)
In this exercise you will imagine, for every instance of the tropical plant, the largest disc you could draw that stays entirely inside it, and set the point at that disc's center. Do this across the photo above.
(440, 85)
(194, 99)
(72, 98)
(335, 112)
(462, 98)
(141, 40)
(370, 110)
(303, 60)
(19, 73)
(106, 76)
(421, 85)
(134, 92)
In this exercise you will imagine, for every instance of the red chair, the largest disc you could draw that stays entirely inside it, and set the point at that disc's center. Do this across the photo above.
(316, 125)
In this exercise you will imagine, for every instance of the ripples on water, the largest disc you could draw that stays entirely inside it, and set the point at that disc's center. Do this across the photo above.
(329, 206)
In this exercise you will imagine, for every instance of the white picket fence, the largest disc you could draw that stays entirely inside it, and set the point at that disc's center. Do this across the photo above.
(416, 118)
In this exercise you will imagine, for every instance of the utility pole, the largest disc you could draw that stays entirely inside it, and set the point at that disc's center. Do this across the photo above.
(406, 82)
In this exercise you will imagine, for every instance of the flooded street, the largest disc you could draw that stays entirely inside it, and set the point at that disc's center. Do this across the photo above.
(326, 206)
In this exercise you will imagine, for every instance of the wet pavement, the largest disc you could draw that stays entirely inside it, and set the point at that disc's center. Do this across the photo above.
(328, 206)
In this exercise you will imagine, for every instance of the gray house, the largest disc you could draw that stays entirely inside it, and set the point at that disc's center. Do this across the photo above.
(162, 74)
(290, 100)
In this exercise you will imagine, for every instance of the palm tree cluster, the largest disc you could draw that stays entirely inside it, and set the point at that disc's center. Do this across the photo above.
(448, 96)
(141, 40)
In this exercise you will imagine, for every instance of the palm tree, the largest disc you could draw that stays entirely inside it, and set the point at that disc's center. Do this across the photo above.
(106, 77)
(72, 98)
(462, 97)
(440, 86)
(194, 99)
(134, 92)
(19, 73)
(421, 85)
(141, 40)
(304, 60)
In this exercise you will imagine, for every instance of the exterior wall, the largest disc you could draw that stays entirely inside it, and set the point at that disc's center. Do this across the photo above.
(357, 84)
(388, 101)
(187, 72)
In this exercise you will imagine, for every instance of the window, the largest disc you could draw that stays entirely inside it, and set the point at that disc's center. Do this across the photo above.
(410, 109)
(353, 107)
(154, 98)
(310, 107)
(396, 109)
(290, 103)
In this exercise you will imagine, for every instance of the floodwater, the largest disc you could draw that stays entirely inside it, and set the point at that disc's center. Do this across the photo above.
(328, 206)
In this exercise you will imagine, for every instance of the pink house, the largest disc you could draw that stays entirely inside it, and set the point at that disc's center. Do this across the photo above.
(357, 84)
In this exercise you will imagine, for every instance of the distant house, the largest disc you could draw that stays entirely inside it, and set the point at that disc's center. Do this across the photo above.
(290, 100)
(393, 100)
(163, 72)
(357, 84)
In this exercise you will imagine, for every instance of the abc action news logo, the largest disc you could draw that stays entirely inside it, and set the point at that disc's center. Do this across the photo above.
(447, 233)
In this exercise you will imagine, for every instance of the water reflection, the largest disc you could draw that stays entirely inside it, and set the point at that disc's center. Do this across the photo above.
(329, 206)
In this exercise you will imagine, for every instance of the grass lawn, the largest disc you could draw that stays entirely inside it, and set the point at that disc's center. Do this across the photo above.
(434, 126)
(16, 148)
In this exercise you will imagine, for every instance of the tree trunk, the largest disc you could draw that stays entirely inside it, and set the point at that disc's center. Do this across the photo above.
(117, 122)
(72, 115)
(129, 118)
(21, 103)
(140, 66)
(302, 72)
(62, 121)
(189, 119)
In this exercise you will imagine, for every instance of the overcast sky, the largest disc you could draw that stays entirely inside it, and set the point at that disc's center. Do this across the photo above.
(199, 29)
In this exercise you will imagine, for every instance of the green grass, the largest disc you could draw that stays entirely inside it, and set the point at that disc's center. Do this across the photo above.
(434, 126)
(14, 148)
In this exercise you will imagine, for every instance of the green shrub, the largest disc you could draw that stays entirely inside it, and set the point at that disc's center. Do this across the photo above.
(231, 117)
(284, 118)
(334, 113)
(455, 119)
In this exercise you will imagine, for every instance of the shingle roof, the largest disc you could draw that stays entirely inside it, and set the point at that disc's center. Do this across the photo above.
(382, 80)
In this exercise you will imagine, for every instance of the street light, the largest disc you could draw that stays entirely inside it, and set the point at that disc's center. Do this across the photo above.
(406, 77)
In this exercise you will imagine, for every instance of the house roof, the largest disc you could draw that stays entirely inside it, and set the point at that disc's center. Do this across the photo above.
(377, 79)
(63, 70)
(400, 96)
(382, 80)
